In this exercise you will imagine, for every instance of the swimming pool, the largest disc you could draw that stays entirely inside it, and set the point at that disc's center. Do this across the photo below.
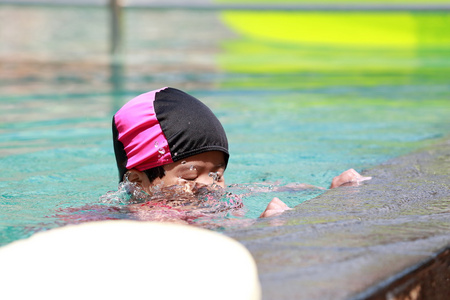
(295, 110)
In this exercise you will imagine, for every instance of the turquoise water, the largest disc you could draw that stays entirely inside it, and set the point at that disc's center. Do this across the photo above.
(283, 125)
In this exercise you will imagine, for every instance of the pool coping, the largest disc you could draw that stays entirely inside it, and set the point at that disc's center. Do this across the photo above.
(429, 278)
(374, 241)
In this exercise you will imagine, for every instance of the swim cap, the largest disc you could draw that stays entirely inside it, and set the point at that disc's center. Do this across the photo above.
(164, 126)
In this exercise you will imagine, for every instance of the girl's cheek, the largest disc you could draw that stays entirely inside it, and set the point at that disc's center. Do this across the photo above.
(221, 183)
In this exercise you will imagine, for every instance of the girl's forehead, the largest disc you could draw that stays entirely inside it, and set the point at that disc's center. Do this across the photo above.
(210, 158)
(216, 157)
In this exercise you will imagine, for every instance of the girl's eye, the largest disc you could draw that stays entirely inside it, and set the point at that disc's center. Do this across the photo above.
(188, 177)
(189, 174)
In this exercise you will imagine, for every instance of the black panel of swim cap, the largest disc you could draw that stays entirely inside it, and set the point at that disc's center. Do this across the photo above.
(189, 125)
(119, 151)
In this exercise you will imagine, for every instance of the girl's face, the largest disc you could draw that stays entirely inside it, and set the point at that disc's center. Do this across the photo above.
(203, 169)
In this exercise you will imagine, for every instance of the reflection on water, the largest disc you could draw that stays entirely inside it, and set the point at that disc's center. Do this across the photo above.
(298, 50)
(299, 105)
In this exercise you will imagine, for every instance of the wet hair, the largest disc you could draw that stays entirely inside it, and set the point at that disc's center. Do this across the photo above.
(156, 172)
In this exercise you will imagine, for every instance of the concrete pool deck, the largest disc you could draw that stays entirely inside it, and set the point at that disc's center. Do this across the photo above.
(386, 239)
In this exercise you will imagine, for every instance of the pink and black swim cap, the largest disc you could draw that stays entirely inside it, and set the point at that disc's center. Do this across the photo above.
(164, 126)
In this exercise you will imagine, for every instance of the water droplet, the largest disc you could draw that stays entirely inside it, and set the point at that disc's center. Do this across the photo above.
(183, 162)
(161, 151)
(192, 168)
(214, 176)
(156, 144)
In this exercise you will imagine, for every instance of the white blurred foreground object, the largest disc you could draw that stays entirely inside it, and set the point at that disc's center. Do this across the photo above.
(128, 260)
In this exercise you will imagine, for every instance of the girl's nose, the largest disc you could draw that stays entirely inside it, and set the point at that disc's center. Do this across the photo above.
(204, 181)
(207, 181)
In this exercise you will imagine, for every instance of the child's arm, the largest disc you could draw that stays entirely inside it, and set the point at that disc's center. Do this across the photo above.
(347, 178)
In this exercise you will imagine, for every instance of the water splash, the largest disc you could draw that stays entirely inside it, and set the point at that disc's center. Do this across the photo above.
(186, 203)
(126, 193)
(215, 176)
(210, 207)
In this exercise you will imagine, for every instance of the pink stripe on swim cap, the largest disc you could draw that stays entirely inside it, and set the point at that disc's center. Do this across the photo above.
(140, 133)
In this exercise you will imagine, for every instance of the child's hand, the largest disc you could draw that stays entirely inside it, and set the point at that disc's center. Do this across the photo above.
(348, 178)
(276, 207)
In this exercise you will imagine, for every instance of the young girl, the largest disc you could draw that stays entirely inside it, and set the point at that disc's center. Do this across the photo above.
(172, 149)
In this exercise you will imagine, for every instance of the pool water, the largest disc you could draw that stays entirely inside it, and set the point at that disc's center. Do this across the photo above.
(296, 110)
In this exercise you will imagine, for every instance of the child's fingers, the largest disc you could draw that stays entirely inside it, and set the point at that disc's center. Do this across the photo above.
(274, 208)
(349, 177)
